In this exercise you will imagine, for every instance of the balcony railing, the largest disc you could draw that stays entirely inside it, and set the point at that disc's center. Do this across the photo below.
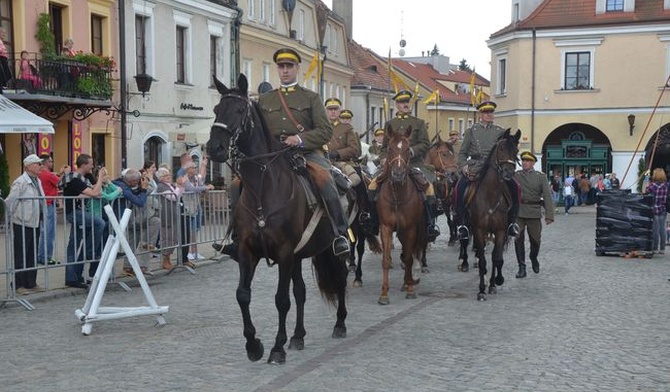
(62, 76)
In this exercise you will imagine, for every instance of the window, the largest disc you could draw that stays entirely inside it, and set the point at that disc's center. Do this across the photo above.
(577, 71)
(301, 25)
(96, 34)
(273, 11)
(251, 9)
(246, 69)
(460, 126)
(213, 54)
(266, 72)
(181, 54)
(7, 24)
(140, 44)
(502, 76)
(451, 124)
(56, 14)
(261, 10)
(614, 5)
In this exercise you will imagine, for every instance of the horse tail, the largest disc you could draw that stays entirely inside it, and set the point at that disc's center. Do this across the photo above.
(373, 243)
(331, 275)
(420, 243)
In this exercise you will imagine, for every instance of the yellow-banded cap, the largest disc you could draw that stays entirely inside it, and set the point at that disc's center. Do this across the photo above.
(487, 106)
(332, 102)
(528, 156)
(286, 55)
(403, 95)
(453, 132)
(379, 131)
(346, 113)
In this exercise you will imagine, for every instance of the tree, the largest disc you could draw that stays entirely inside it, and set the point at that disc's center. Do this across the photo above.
(463, 66)
(435, 51)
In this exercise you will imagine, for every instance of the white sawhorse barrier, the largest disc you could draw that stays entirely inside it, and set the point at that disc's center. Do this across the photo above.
(92, 311)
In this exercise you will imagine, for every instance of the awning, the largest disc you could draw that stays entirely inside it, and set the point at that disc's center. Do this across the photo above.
(15, 119)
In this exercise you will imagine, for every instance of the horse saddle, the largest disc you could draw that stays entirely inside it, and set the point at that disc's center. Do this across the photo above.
(471, 191)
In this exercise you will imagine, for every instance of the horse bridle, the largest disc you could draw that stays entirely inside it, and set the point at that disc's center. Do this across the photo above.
(500, 163)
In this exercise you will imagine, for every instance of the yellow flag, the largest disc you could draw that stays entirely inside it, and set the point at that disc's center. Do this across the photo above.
(472, 88)
(385, 104)
(434, 97)
(312, 66)
(395, 79)
(416, 91)
(480, 96)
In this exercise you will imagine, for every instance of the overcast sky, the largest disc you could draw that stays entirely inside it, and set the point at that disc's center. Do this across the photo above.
(460, 28)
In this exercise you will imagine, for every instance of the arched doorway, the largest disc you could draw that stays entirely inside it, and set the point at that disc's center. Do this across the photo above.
(576, 148)
(155, 148)
(661, 153)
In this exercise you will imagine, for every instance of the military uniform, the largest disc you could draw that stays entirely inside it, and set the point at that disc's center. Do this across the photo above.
(345, 146)
(535, 194)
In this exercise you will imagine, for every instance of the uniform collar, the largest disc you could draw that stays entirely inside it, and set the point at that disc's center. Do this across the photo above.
(402, 115)
(289, 88)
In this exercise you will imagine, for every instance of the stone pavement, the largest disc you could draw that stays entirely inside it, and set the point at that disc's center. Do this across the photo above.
(585, 323)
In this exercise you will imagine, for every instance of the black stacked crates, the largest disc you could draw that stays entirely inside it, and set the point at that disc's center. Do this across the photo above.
(624, 223)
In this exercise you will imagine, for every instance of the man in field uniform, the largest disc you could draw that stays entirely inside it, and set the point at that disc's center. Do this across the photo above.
(419, 145)
(478, 142)
(297, 117)
(344, 146)
(535, 194)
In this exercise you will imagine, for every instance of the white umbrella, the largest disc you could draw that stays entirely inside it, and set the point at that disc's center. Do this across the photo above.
(15, 119)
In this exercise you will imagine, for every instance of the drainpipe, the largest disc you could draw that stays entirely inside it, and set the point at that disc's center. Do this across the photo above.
(235, 45)
(122, 81)
(532, 97)
(367, 115)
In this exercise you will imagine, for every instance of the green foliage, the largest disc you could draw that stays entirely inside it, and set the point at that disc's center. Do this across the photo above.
(463, 66)
(641, 168)
(4, 182)
(435, 51)
(44, 35)
(95, 85)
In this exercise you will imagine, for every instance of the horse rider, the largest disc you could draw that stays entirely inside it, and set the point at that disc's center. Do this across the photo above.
(452, 142)
(419, 145)
(535, 194)
(296, 116)
(478, 142)
(344, 146)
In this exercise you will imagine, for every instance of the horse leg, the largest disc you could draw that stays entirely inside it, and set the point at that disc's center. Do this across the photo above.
(355, 227)
(451, 223)
(360, 247)
(480, 254)
(254, 346)
(387, 240)
(408, 260)
(297, 341)
(498, 260)
(463, 256)
(283, 304)
(424, 262)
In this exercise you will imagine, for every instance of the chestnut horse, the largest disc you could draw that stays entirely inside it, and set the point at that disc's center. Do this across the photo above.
(445, 161)
(400, 209)
(270, 216)
(488, 210)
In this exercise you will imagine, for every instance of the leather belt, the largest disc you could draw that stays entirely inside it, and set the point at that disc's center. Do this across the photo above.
(534, 203)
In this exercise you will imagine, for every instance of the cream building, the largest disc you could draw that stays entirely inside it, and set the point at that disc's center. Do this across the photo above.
(584, 81)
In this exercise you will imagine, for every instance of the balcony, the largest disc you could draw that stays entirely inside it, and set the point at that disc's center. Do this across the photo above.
(53, 86)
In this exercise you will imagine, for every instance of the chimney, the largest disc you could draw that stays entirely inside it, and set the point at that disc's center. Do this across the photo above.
(344, 8)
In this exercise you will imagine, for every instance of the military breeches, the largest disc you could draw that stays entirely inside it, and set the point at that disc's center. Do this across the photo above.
(534, 229)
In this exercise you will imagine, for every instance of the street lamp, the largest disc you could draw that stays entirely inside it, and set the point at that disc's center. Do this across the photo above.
(631, 123)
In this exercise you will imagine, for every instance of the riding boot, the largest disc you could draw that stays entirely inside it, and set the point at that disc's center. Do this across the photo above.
(232, 249)
(459, 210)
(362, 196)
(513, 227)
(334, 209)
(432, 231)
(534, 251)
(520, 257)
(372, 227)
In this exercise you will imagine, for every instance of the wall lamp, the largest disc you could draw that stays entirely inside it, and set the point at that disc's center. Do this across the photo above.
(631, 123)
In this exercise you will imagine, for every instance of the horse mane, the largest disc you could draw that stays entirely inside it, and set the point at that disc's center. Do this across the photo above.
(272, 143)
(487, 162)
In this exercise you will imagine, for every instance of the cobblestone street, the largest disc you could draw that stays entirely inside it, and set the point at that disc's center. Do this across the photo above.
(585, 323)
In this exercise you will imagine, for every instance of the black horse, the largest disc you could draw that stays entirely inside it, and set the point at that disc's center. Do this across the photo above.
(488, 210)
(270, 218)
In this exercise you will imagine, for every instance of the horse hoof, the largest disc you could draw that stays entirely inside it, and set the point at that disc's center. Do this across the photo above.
(255, 350)
(410, 295)
(451, 243)
(383, 300)
(493, 290)
(425, 270)
(481, 297)
(404, 287)
(277, 357)
(352, 267)
(339, 332)
(416, 281)
(296, 344)
(464, 267)
(357, 283)
(499, 280)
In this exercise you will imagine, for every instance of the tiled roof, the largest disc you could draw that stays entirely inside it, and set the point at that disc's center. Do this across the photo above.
(369, 69)
(582, 13)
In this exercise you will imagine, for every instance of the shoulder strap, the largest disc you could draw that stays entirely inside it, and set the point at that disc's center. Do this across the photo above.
(288, 112)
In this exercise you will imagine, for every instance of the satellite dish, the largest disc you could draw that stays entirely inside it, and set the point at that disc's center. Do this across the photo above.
(401, 52)
(288, 5)
(403, 43)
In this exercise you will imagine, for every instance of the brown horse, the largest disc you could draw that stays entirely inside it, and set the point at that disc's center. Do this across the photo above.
(270, 218)
(400, 209)
(488, 209)
(445, 161)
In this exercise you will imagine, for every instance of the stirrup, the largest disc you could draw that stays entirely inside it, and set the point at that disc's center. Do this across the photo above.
(463, 232)
(364, 217)
(340, 246)
(513, 230)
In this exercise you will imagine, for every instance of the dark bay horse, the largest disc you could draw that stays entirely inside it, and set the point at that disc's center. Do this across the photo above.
(270, 218)
(362, 235)
(445, 161)
(488, 209)
(400, 208)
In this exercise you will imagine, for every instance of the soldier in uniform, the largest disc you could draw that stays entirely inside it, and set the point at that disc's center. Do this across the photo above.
(419, 145)
(478, 142)
(452, 142)
(344, 146)
(535, 194)
(304, 126)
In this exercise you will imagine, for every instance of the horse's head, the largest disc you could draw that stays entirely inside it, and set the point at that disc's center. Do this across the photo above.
(442, 158)
(398, 154)
(233, 116)
(504, 154)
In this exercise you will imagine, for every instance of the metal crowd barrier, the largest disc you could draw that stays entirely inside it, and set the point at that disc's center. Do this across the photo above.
(166, 225)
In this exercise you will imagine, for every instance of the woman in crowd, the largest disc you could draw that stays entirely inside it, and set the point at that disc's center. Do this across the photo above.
(169, 201)
(26, 71)
(658, 187)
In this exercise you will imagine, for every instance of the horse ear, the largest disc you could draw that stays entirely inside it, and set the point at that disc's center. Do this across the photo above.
(243, 84)
(220, 87)
(517, 135)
